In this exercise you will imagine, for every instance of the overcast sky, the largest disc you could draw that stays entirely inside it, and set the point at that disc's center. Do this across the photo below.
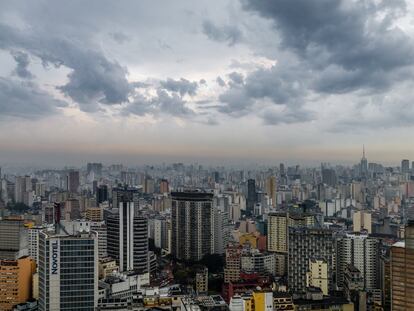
(220, 81)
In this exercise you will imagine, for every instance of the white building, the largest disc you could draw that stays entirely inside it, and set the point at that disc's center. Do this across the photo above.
(362, 252)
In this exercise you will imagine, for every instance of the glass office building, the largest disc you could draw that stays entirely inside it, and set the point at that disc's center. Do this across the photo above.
(68, 271)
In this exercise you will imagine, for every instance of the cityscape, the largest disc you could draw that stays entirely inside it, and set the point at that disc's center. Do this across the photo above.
(194, 237)
(210, 155)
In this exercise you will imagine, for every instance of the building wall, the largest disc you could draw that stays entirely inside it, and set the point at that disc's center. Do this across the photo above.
(402, 278)
(15, 281)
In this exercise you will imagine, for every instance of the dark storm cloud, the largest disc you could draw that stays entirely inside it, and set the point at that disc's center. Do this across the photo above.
(278, 85)
(358, 37)
(93, 78)
(24, 99)
(326, 47)
(22, 60)
(229, 34)
(182, 86)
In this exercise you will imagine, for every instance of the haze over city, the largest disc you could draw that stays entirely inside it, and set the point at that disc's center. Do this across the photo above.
(205, 81)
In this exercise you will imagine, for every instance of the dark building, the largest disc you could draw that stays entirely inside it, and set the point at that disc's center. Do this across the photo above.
(127, 238)
(13, 239)
(101, 194)
(191, 221)
(96, 168)
(125, 194)
(72, 180)
(251, 195)
(329, 176)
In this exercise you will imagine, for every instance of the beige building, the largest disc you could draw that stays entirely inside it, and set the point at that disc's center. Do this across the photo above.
(277, 232)
(317, 276)
(106, 267)
(362, 221)
(202, 281)
(233, 264)
(15, 281)
(271, 189)
(94, 214)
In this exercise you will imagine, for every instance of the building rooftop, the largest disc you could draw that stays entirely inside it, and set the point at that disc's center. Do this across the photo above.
(192, 196)
(399, 244)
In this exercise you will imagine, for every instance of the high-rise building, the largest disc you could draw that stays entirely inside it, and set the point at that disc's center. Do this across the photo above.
(271, 189)
(23, 190)
(125, 194)
(68, 271)
(101, 194)
(15, 282)
(13, 239)
(160, 235)
(329, 177)
(149, 185)
(127, 238)
(402, 271)
(192, 220)
(405, 166)
(304, 245)
(364, 164)
(164, 186)
(362, 221)
(233, 263)
(72, 181)
(277, 232)
(95, 168)
(72, 210)
(251, 195)
(362, 252)
(220, 234)
(33, 242)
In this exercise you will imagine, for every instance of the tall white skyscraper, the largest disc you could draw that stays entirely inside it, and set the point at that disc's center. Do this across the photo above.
(362, 252)
(127, 238)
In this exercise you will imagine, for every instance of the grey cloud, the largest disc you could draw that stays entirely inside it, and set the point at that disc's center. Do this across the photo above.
(93, 78)
(163, 103)
(357, 36)
(182, 86)
(220, 82)
(236, 77)
(278, 84)
(236, 101)
(229, 34)
(24, 99)
(287, 116)
(377, 112)
(119, 37)
(22, 60)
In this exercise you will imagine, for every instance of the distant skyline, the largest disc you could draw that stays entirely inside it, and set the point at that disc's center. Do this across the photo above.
(215, 82)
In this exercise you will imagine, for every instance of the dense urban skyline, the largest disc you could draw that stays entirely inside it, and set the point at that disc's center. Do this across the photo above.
(215, 82)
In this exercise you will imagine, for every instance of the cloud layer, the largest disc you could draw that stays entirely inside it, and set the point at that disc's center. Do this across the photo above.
(327, 66)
